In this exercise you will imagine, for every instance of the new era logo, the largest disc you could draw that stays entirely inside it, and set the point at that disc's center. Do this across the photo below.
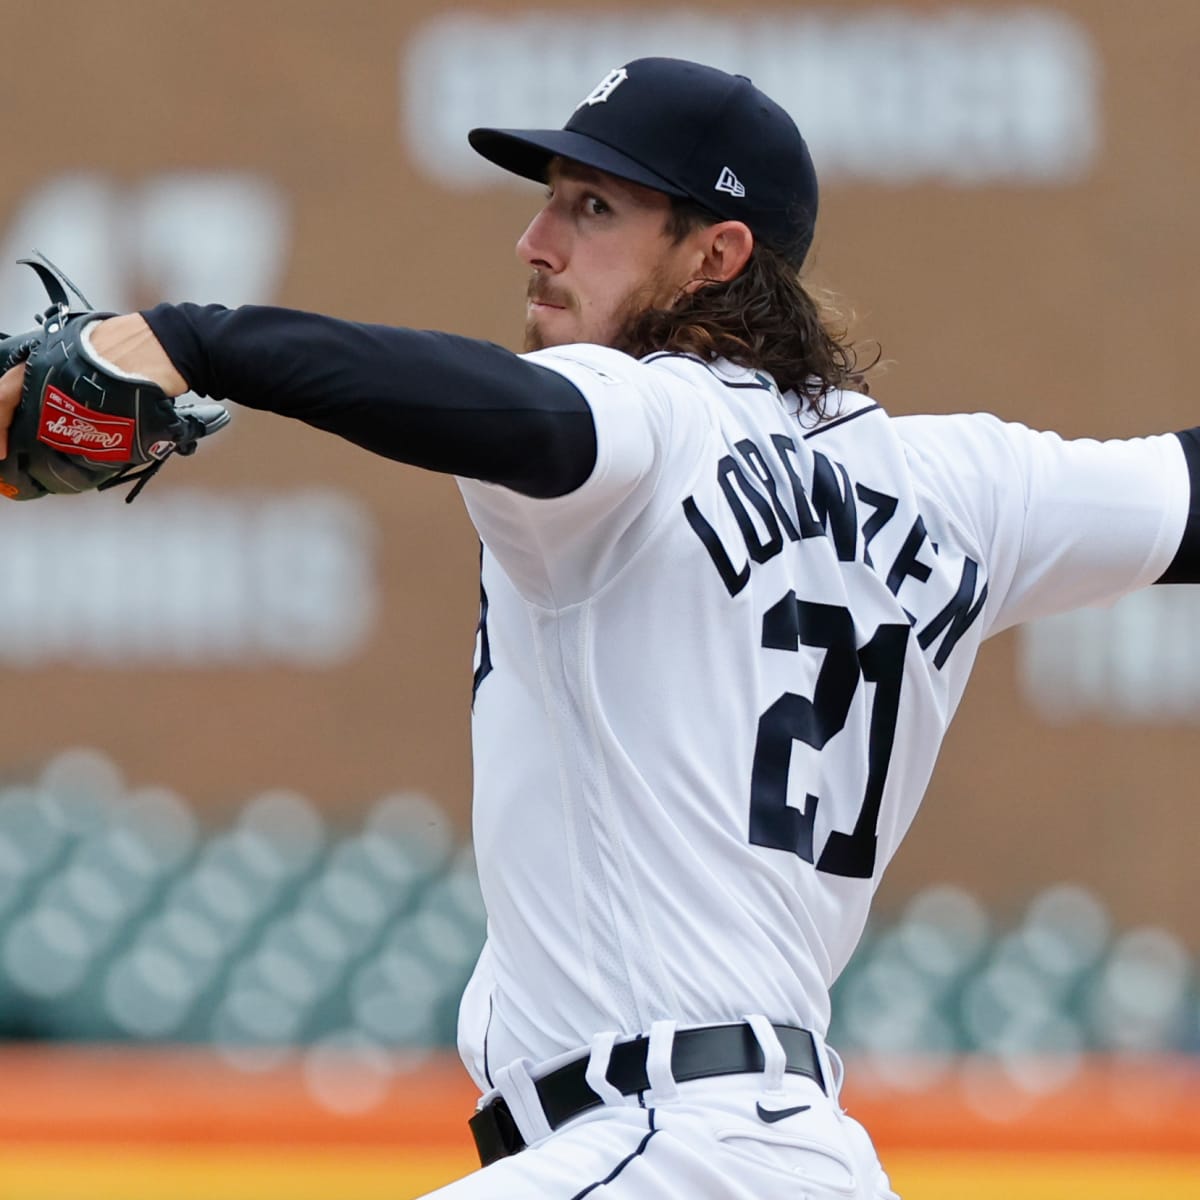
(729, 182)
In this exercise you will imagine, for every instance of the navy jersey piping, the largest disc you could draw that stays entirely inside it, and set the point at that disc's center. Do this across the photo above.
(591, 1187)
(862, 412)
(487, 1070)
(756, 386)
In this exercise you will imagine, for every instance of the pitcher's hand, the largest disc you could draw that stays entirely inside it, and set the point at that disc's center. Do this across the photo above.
(127, 343)
(11, 383)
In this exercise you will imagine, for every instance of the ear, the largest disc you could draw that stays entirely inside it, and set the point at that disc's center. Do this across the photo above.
(726, 249)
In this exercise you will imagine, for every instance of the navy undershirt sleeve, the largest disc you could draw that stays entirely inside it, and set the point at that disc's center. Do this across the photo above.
(1185, 566)
(435, 400)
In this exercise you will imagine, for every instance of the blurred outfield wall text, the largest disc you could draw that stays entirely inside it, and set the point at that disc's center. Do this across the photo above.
(961, 96)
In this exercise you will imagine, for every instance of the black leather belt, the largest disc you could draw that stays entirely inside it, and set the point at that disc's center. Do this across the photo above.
(695, 1054)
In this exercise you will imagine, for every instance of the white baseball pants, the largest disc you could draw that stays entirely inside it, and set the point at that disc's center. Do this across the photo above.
(736, 1137)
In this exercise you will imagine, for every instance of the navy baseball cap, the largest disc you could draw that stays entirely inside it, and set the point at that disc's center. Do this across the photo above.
(687, 130)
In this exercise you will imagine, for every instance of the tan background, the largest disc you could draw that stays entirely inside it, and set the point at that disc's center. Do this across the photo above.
(1072, 307)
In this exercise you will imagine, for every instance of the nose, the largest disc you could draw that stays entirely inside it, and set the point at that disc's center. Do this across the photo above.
(542, 245)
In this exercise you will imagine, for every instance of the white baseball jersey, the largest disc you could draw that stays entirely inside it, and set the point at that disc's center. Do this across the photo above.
(712, 682)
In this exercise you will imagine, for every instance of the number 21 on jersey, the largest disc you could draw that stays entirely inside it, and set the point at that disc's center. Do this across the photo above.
(788, 625)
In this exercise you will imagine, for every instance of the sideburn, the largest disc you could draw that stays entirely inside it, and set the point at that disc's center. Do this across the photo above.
(654, 295)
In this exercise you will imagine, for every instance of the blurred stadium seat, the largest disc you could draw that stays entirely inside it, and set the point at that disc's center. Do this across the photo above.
(121, 920)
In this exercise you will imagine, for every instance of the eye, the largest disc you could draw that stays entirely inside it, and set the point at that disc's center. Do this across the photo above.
(594, 206)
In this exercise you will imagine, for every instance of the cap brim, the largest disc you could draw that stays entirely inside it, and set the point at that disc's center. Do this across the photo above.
(527, 152)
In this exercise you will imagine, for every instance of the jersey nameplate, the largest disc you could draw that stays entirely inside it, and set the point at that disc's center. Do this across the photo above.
(772, 509)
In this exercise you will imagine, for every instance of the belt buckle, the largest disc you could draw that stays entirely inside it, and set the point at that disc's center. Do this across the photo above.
(495, 1132)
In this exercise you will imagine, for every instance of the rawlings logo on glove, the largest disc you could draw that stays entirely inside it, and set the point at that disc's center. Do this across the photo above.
(81, 424)
(70, 427)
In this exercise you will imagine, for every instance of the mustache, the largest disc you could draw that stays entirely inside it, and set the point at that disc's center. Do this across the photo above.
(543, 291)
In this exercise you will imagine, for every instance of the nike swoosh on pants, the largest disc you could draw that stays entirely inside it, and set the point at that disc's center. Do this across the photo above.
(771, 1115)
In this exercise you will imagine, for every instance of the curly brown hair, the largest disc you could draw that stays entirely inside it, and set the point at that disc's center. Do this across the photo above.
(763, 318)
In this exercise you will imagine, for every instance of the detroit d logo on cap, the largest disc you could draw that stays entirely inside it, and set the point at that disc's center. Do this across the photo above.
(605, 87)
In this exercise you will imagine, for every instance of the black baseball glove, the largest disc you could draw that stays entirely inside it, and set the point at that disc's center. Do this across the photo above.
(81, 424)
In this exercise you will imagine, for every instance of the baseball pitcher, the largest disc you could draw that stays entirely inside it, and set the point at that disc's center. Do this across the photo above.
(730, 607)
